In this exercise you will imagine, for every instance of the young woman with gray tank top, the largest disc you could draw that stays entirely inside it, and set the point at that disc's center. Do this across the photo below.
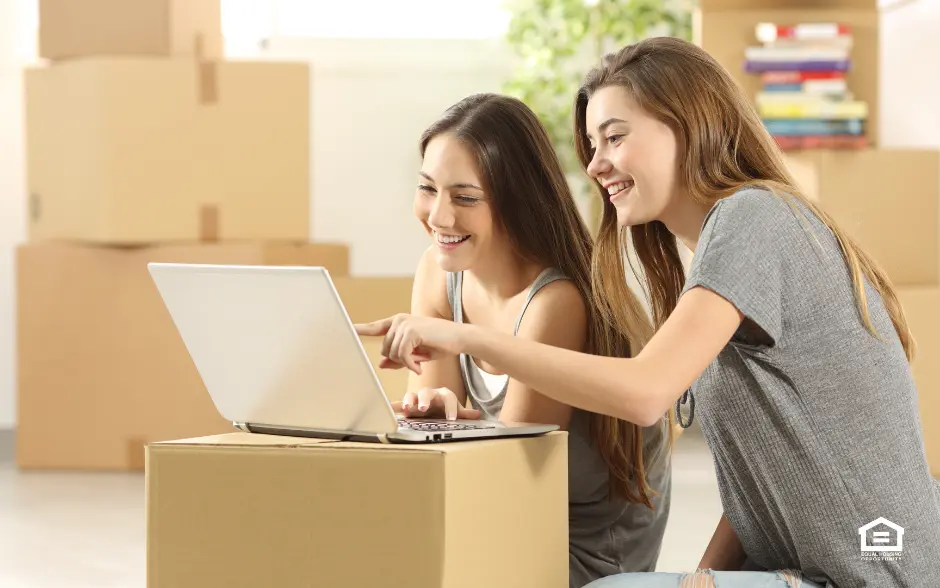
(511, 253)
(786, 337)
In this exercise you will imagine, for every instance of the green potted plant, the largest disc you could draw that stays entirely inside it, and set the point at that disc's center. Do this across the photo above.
(557, 41)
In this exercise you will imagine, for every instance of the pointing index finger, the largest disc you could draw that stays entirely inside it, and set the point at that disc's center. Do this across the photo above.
(375, 328)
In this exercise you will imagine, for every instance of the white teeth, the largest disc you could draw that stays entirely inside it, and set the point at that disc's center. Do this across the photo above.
(619, 187)
(450, 238)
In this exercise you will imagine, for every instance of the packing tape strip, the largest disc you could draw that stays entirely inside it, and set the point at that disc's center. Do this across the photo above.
(208, 82)
(135, 454)
(207, 72)
(209, 223)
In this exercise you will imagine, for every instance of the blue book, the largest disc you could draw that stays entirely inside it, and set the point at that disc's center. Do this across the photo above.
(783, 87)
(821, 65)
(814, 126)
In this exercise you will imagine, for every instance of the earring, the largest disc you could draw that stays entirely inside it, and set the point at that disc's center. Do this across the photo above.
(686, 397)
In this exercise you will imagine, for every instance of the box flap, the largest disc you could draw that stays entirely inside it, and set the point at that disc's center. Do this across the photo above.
(240, 439)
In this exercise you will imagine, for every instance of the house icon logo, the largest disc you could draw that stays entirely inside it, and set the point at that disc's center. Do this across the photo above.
(881, 535)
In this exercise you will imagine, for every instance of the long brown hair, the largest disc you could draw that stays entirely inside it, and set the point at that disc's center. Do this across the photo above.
(726, 147)
(532, 200)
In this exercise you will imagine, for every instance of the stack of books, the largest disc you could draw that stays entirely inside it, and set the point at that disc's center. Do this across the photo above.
(804, 100)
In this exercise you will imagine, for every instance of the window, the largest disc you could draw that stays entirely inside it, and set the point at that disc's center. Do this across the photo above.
(246, 22)
(252, 20)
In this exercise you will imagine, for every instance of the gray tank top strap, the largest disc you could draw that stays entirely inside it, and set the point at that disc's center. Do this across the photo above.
(545, 278)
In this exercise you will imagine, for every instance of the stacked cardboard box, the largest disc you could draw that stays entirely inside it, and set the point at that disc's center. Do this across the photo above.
(863, 191)
(887, 199)
(143, 144)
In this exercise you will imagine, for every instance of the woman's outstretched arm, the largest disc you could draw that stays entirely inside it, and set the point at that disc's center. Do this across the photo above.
(639, 390)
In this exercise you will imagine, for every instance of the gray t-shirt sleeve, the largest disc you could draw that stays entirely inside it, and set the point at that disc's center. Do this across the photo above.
(736, 257)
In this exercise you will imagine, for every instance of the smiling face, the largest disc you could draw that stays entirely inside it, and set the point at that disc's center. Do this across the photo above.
(634, 156)
(452, 205)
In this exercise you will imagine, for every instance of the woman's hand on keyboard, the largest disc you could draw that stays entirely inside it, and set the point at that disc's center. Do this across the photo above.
(434, 403)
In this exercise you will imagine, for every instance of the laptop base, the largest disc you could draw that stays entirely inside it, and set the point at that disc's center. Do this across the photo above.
(403, 435)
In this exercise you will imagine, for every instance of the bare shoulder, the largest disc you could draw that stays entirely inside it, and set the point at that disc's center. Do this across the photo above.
(430, 288)
(557, 314)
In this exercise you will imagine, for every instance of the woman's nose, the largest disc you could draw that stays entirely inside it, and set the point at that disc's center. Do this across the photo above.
(442, 213)
(598, 166)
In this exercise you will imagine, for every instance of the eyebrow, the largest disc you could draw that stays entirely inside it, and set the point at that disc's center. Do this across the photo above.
(462, 185)
(610, 121)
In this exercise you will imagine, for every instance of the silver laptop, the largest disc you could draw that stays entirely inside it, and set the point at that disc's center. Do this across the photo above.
(278, 354)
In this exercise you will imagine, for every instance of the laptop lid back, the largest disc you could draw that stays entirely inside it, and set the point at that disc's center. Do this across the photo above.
(274, 346)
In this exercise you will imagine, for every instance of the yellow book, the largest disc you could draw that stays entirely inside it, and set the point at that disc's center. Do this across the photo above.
(820, 109)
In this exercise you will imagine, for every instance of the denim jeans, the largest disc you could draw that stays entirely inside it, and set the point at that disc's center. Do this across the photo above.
(705, 579)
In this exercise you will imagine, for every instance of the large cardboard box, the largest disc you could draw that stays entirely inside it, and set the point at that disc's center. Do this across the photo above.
(138, 150)
(725, 28)
(102, 370)
(880, 196)
(922, 309)
(252, 510)
(372, 298)
(81, 28)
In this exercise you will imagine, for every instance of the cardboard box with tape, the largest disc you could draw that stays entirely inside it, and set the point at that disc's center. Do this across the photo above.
(862, 191)
(257, 510)
(102, 369)
(159, 28)
(137, 150)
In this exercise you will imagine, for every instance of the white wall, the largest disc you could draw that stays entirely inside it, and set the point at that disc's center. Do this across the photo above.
(910, 78)
(12, 197)
(371, 99)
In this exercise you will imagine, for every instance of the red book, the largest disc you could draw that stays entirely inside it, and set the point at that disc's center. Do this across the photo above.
(768, 32)
(796, 142)
(798, 77)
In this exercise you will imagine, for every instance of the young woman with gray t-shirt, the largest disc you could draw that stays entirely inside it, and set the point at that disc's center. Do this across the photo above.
(786, 339)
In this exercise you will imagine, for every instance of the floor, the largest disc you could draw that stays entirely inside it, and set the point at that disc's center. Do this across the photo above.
(78, 530)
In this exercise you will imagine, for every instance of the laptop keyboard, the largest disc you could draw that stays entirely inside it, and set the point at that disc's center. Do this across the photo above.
(422, 425)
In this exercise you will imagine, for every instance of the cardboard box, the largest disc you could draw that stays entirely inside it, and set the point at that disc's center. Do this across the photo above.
(863, 191)
(371, 298)
(922, 309)
(134, 151)
(70, 28)
(102, 369)
(726, 28)
(251, 510)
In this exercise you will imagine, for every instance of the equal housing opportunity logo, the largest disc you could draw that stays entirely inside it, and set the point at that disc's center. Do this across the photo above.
(881, 540)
